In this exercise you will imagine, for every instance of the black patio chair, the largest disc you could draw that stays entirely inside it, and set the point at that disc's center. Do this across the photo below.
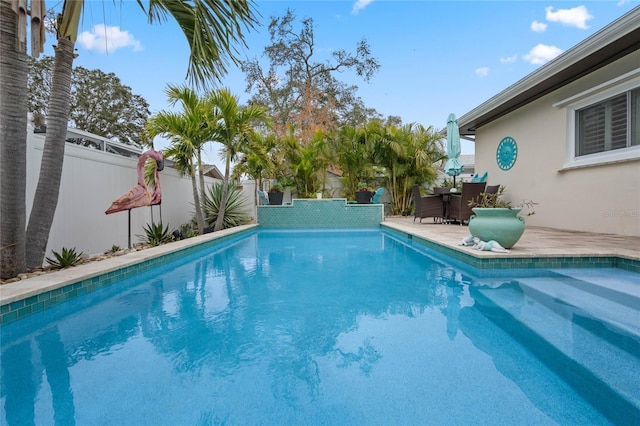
(426, 205)
(459, 209)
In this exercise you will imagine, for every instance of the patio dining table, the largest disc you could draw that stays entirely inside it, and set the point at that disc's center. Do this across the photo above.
(444, 193)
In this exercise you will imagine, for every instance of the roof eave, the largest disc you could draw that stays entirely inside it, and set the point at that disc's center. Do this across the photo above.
(611, 43)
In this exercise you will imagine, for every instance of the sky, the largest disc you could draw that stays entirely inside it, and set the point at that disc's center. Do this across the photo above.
(436, 57)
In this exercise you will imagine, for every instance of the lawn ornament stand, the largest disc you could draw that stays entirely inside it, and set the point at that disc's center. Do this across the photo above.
(139, 195)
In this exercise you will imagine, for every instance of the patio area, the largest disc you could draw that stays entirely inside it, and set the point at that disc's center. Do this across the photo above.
(535, 242)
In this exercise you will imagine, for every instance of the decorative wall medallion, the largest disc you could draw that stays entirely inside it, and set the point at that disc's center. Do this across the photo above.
(507, 153)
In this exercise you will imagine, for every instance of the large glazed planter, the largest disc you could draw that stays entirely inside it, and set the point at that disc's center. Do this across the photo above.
(275, 198)
(499, 224)
(364, 197)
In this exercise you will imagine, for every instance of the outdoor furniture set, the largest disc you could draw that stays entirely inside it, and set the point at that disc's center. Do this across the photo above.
(446, 206)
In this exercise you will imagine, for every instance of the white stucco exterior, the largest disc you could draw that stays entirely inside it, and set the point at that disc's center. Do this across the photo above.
(604, 197)
(599, 192)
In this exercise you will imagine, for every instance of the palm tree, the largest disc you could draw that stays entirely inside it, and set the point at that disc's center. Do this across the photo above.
(211, 27)
(258, 159)
(188, 132)
(308, 163)
(13, 152)
(353, 153)
(234, 127)
(408, 155)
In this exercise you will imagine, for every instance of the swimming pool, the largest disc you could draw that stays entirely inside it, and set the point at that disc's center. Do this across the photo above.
(329, 327)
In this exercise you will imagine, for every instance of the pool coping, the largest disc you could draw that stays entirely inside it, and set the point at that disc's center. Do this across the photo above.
(603, 258)
(22, 298)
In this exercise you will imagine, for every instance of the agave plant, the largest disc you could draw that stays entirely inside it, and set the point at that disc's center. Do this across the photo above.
(234, 214)
(155, 234)
(67, 258)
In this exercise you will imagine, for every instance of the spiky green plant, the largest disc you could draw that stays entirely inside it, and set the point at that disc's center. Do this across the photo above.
(234, 214)
(189, 229)
(115, 248)
(65, 259)
(155, 234)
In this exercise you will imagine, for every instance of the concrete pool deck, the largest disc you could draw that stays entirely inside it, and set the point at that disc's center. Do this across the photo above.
(21, 298)
(535, 242)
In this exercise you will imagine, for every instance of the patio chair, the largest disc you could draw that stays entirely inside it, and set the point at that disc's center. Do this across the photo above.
(426, 206)
(459, 204)
(377, 196)
(492, 189)
(478, 178)
(441, 190)
(263, 198)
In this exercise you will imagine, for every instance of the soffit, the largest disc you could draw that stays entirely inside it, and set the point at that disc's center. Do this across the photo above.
(613, 42)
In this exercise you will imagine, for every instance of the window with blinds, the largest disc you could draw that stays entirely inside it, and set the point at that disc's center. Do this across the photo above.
(608, 125)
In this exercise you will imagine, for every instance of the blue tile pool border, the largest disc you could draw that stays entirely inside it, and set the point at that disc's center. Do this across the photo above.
(18, 309)
(320, 213)
(21, 308)
(525, 262)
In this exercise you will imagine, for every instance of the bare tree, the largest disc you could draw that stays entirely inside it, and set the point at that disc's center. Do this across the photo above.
(299, 90)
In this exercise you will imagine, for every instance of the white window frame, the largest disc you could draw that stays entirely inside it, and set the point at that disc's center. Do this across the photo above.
(590, 97)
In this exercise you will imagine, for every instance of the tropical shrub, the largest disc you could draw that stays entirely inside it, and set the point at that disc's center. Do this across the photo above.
(189, 229)
(65, 259)
(406, 155)
(492, 201)
(352, 152)
(307, 164)
(155, 234)
(234, 214)
(362, 186)
(276, 187)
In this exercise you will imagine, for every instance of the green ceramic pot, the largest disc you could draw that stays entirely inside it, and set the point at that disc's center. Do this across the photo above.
(499, 224)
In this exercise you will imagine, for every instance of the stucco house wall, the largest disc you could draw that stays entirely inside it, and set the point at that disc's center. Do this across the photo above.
(602, 197)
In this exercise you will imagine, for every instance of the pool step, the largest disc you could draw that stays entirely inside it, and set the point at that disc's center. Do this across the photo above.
(616, 305)
(590, 340)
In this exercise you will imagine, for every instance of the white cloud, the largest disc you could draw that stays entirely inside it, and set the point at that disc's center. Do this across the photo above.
(576, 17)
(542, 54)
(104, 39)
(509, 59)
(359, 5)
(482, 71)
(538, 27)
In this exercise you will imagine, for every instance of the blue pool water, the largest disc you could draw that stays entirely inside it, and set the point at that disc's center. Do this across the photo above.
(321, 327)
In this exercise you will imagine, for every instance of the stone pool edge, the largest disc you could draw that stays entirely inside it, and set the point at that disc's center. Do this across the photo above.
(490, 260)
(32, 295)
(25, 297)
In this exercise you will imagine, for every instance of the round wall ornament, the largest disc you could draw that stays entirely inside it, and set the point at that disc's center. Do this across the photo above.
(507, 153)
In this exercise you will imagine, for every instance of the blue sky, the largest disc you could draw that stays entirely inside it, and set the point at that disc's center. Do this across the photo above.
(436, 57)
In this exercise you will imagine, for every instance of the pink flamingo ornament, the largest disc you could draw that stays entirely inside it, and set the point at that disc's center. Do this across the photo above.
(139, 195)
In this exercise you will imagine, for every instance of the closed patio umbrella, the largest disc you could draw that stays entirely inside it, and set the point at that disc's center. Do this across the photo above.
(453, 166)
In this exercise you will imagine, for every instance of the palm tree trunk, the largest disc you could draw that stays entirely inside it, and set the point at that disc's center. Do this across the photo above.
(225, 194)
(13, 145)
(201, 177)
(47, 190)
(197, 203)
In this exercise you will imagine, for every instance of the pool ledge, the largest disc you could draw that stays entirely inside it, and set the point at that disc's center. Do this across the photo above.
(538, 248)
(28, 294)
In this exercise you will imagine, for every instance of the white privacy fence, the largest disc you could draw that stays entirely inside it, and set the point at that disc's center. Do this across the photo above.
(91, 181)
